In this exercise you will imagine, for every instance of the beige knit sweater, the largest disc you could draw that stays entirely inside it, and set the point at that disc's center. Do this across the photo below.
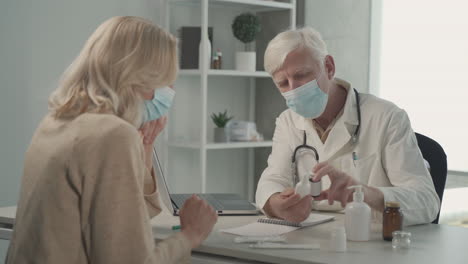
(85, 197)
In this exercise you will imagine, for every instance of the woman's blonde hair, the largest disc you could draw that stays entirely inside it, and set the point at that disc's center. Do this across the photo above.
(123, 57)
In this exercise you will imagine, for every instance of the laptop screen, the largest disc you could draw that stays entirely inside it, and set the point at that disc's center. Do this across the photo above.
(161, 184)
(232, 204)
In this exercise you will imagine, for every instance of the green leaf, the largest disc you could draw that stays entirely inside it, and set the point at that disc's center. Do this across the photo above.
(221, 119)
(245, 27)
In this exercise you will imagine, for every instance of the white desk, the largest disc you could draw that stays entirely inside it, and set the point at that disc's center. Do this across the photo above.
(430, 244)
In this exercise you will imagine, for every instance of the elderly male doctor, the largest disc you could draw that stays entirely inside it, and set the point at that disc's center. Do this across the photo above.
(372, 144)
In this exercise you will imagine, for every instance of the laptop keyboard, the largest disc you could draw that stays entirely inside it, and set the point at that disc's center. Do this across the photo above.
(179, 200)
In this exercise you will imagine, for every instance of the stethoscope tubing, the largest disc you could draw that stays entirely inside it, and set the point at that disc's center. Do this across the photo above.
(317, 158)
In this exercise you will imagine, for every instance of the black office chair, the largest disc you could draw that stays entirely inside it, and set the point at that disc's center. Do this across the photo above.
(435, 155)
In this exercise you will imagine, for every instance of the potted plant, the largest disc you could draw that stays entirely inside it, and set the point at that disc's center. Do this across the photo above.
(245, 28)
(220, 121)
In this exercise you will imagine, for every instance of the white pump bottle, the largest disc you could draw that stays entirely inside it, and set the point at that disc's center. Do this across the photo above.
(357, 217)
(303, 187)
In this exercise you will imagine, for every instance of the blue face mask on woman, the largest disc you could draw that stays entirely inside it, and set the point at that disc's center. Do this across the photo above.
(159, 105)
(307, 100)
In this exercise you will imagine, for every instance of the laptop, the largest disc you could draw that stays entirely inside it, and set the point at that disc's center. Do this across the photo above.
(223, 203)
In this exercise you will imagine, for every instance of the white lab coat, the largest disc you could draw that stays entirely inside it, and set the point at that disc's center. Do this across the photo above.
(387, 150)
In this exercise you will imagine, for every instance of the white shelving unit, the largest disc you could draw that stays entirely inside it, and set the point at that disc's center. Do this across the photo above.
(253, 5)
(258, 74)
(202, 144)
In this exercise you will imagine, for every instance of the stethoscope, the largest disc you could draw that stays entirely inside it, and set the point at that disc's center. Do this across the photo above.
(316, 155)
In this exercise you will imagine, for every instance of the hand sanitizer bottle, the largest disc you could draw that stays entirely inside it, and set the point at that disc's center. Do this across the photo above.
(303, 187)
(357, 217)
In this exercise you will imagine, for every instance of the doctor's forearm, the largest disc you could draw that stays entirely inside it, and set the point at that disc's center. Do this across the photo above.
(268, 209)
(374, 198)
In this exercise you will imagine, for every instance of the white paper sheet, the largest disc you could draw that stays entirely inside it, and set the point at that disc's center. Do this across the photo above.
(259, 229)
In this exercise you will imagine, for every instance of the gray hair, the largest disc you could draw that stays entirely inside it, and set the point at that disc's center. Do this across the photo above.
(289, 40)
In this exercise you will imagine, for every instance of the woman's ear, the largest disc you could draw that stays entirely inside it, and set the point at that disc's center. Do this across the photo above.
(330, 67)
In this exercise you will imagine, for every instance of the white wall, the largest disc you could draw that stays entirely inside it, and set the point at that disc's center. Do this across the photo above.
(345, 27)
(413, 68)
(38, 40)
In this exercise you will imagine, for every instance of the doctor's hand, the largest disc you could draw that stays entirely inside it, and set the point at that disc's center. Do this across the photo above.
(197, 219)
(339, 191)
(340, 182)
(289, 206)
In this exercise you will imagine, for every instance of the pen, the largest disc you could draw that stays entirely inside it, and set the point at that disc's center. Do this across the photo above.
(176, 227)
(355, 157)
(259, 239)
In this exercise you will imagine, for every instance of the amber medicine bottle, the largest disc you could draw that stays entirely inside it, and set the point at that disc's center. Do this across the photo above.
(392, 220)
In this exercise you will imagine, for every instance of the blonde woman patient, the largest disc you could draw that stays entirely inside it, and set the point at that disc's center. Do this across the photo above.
(88, 190)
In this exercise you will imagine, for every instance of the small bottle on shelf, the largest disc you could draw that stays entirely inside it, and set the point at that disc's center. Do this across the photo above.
(220, 61)
(215, 64)
(392, 220)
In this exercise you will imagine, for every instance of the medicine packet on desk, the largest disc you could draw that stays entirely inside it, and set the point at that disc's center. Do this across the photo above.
(256, 239)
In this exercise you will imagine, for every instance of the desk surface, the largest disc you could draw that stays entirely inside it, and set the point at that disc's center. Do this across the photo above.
(7, 217)
(7, 214)
(430, 243)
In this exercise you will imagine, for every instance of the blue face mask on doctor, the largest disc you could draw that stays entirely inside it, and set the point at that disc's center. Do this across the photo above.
(307, 100)
(159, 105)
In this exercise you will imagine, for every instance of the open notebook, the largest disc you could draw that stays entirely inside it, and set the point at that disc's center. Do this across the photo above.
(271, 226)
